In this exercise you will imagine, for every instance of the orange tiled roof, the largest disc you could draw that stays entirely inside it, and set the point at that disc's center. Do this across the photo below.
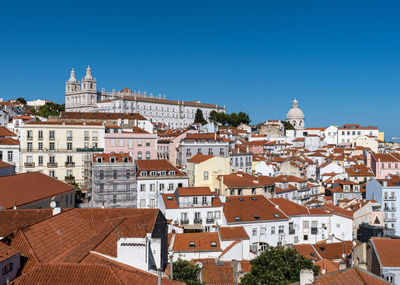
(25, 188)
(350, 276)
(202, 242)
(308, 250)
(327, 265)
(156, 164)
(106, 157)
(232, 233)
(194, 191)
(4, 132)
(251, 208)
(199, 158)
(388, 251)
(7, 252)
(8, 141)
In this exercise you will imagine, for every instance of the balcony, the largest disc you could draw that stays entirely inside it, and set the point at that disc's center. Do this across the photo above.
(52, 138)
(389, 219)
(197, 221)
(389, 198)
(29, 138)
(70, 178)
(184, 222)
(87, 149)
(210, 220)
(390, 209)
(52, 164)
(69, 138)
(29, 164)
(292, 232)
(69, 164)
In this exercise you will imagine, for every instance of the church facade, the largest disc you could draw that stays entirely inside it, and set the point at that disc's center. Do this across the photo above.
(83, 96)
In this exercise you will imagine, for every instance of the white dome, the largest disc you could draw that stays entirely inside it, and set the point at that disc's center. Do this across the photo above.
(72, 78)
(295, 112)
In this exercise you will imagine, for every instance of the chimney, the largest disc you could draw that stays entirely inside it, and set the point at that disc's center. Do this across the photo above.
(306, 276)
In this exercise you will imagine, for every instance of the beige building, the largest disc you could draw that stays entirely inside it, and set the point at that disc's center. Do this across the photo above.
(367, 142)
(61, 149)
(203, 170)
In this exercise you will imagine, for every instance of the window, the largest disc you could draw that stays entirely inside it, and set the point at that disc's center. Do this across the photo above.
(40, 134)
(305, 237)
(171, 186)
(9, 156)
(29, 159)
(94, 135)
(101, 174)
(205, 175)
(112, 142)
(204, 200)
(281, 229)
(272, 230)
(52, 159)
(130, 143)
(314, 224)
(254, 232)
(69, 158)
(40, 146)
(29, 146)
(296, 239)
(217, 214)
(29, 135)
(147, 142)
(142, 203)
(121, 142)
(147, 154)
(115, 174)
(139, 155)
(195, 200)
(262, 231)
(86, 135)
(69, 135)
(51, 135)
(152, 187)
(51, 146)
(7, 268)
(338, 225)
(40, 162)
(140, 142)
(306, 224)
(128, 174)
(69, 146)
(142, 187)
(51, 173)
(152, 203)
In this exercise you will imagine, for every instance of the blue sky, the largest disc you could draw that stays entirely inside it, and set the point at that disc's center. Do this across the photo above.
(340, 59)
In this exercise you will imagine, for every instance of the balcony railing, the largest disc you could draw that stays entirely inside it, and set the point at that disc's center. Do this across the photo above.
(389, 219)
(389, 198)
(210, 220)
(93, 149)
(184, 222)
(390, 209)
(29, 164)
(197, 221)
(70, 178)
(52, 164)
(69, 164)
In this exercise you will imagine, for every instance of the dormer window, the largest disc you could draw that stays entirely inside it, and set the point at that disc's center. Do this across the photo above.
(143, 173)
(346, 188)
(171, 173)
(356, 188)
(153, 173)
(112, 159)
(163, 173)
(213, 244)
(192, 244)
(99, 159)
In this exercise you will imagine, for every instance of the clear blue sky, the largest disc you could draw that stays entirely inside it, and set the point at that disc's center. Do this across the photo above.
(341, 59)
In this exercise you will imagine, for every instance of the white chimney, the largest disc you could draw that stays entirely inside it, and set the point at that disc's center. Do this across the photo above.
(56, 210)
(306, 276)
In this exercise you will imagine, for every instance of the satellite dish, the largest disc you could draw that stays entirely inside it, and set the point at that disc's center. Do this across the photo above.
(199, 264)
(344, 255)
(323, 271)
(53, 204)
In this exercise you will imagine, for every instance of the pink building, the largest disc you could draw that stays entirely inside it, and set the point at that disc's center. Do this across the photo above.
(141, 144)
(383, 164)
(169, 141)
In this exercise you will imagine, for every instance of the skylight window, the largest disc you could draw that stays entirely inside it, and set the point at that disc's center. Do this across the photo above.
(276, 215)
(213, 244)
(227, 200)
(238, 219)
(192, 244)
(256, 217)
(254, 198)
(169, 198)
(240, 199)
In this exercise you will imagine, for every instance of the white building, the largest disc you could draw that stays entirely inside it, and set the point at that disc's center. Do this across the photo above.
(155, 177)
(296, 116)
(349, 132)
(83, 97)
(194, 208)
(277, 221)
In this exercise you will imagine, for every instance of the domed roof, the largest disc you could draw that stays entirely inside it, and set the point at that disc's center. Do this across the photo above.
(295, 112)
(72, 78)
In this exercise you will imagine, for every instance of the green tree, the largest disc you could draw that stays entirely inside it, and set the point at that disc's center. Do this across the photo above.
(243, 118)
(199, 118)
(21, 100)
(277, 265)
(213, 117)
(50, 109)
(287, 125)
(187, 272)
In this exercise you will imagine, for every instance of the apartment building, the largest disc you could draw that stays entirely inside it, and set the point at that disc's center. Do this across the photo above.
(343, 189)
(9, 147)
(386, 193)
(155, 177)
(349, 132)
(61, 149)
(142, 144)
(113, 180)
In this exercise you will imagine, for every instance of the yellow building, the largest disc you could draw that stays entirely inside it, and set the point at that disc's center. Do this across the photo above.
(62, 150)
(381, 136)
(203, 170)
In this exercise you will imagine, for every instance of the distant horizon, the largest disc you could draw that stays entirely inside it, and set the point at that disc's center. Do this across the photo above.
(340, 59)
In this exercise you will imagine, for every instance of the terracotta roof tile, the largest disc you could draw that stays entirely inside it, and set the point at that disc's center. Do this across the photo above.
(8, 141)
(106, 157)
(7, 251)
(25, 188)
(194, 191)
(350, 276)
(196, 242)
(199, 158)
(4, 132)
(308, 250)
(232, 233)
(388, 251)
(156, 165)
